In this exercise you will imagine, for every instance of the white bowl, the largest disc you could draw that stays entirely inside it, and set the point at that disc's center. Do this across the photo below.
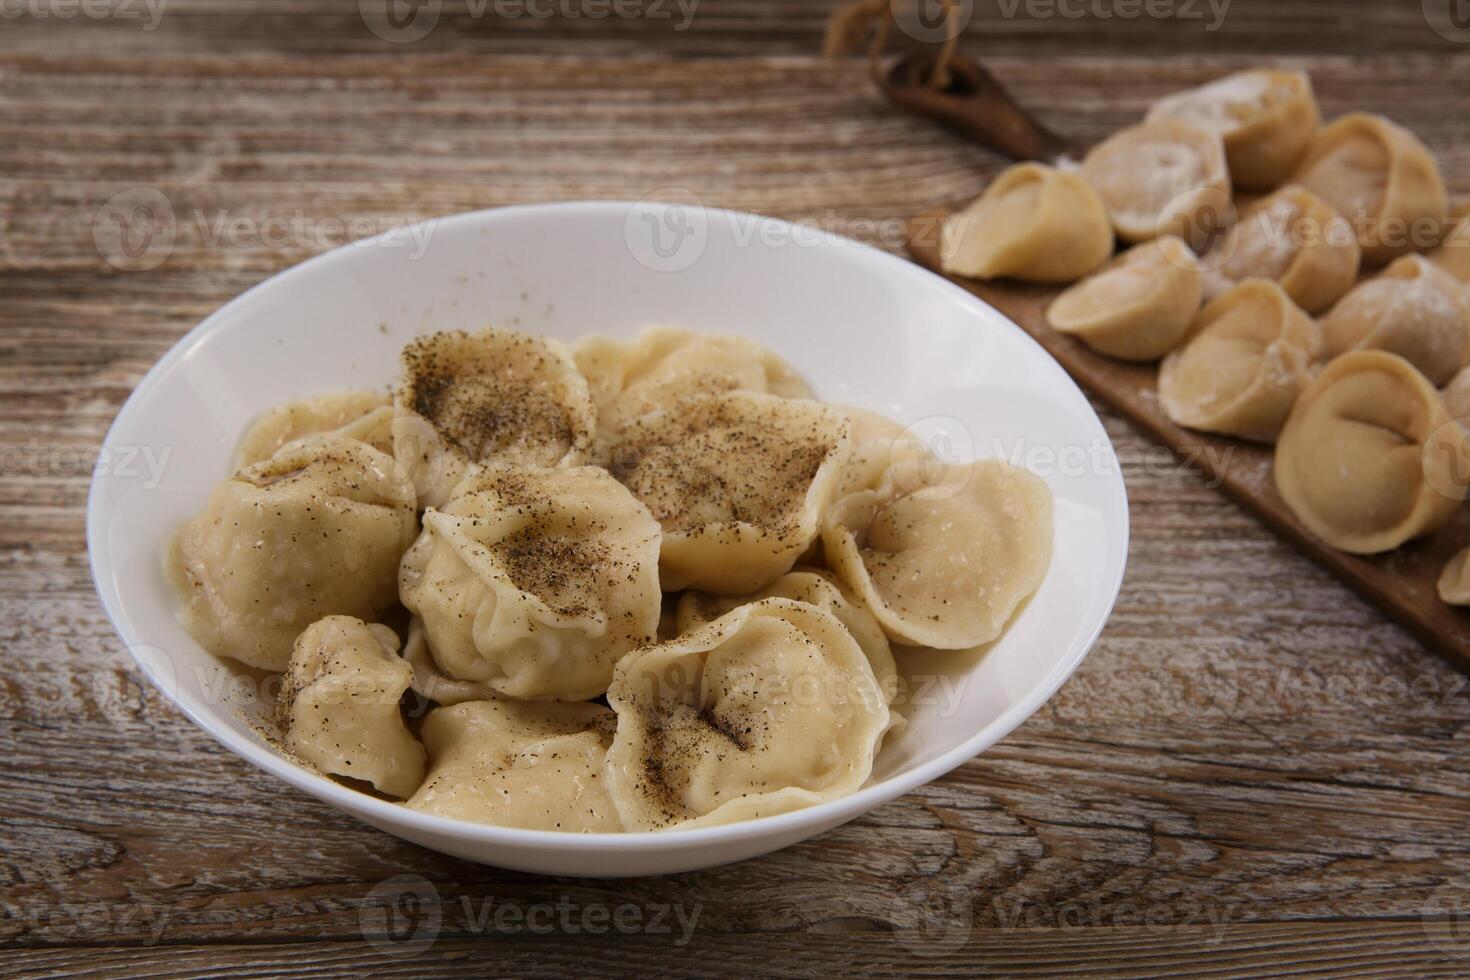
(865, 327)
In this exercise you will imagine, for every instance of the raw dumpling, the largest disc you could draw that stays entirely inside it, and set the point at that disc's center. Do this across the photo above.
(367, 414)
(315, 530)
(1249, 357)
(1034, 223)
(737, 481)
(1162, 178)
(1453, 254)
(1139, 307)
(1266, 118)
(666, 365)
(1368, 458)
(813, 587)
(1454, 581)
(943, 564)
(1413, 309)
(339, 701)
(1381, 179)
(518, 764)
(1295, 238)
(768, 709)
(535, 580)
(496, 396)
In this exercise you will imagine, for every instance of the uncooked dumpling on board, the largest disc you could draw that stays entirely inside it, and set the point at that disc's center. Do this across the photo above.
(338, 705)
(1454, 581)
(1295, 238)
(945, 562)
(496, 396)
(1249, 357)
(1382, 179)
(538, 765)
(316, 530)
(364, 415)
(1266, 118)
(1162, 178)
(1369, 457)
(666, 365)
(738, 483)
(1413, 309)
(535, 580)
(768, 709)
(1139, 307)
(1453, 253)
(1034, 223)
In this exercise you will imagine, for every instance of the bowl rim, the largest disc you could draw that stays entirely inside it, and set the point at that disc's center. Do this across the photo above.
(378, 812)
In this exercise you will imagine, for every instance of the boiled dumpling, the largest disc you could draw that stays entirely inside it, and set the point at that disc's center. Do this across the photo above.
(1162, 178)
(496, 396)
(737, 481)
(1139, 307)
(315, 530)
(1413, 309)
(768, 709)
(1454, 581)
(666, 365)
(1380, 178)
(338, 705)
(1034, 223)
(943, 563)
(1453, 254)
(535, 580)
(1456, 396)
(518, 764)
(1249, 357)
(1369, 458)
(430, 680)
(365, 414)
(1295, 238)
(817, 589)
(1266, 118)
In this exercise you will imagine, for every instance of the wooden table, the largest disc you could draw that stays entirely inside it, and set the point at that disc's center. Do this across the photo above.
(1253, 769)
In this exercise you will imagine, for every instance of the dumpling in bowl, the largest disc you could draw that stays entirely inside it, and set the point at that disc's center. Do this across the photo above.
(1456, 396)
(364, 415)
(316, 530)
(768, 709)
(815, 588)
(496, 396)
(1249, 358)
(538, 766)
(1454, 581)
(943, 563)
(737, 482)
(1380, 178)
(1369, 458)
(1139, 307)
(1162, 178)
(666, 365)
(338, 705)
(1033, 222)
(1266, 118)
(1294, 238)
(534, 581)
(1413, 309)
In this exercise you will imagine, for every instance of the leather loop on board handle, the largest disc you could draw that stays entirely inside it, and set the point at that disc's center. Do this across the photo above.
(975, 105)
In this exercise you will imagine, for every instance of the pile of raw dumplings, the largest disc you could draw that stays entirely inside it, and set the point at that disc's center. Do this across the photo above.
(643, 584)
(1302, 285)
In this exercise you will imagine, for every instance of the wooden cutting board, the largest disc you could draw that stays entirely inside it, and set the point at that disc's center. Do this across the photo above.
(1401, 582)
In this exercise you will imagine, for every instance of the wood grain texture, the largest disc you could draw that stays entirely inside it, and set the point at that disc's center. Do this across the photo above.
(1250, 745)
